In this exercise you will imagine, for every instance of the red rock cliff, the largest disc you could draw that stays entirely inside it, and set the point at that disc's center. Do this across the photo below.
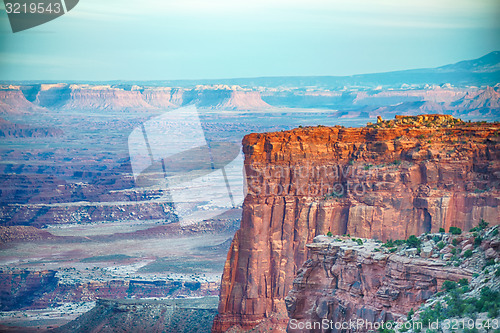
(344, 281)
(388, 180)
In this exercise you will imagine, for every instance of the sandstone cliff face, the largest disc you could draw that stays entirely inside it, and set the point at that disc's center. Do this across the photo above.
(345, 281)
(388, 180)
(20, 289)
(89, 98)
(13, 102)
(117, 98)
(161, 98)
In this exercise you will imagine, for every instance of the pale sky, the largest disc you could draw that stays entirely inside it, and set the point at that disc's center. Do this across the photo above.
(198, 39)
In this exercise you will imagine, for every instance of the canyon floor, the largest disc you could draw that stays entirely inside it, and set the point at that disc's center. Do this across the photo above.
(77, 189)
(93, 209)
(82, 260)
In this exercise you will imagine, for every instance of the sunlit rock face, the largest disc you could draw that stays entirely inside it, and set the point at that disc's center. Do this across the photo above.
(388, 180)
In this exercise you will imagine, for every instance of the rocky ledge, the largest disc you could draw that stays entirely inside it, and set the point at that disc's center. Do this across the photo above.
(371, 182)
(348, 279)
(425, 120)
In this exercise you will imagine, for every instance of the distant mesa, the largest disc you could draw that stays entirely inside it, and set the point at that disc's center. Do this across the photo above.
(466, 88)
(62, 96)
(13, 102)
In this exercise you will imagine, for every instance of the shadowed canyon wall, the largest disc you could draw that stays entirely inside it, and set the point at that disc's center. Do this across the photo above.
(388, 180)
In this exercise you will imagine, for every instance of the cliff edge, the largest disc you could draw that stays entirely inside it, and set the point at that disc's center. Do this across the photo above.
(364, 283)
(387, 180)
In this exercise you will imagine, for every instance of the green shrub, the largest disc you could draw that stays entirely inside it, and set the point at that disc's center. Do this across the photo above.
(329, 234)
(483, 224)
(441, 230)
(410, 314)
(384, 329)
(468, 253)
(431, 314)
(449, 285)
(455, 231)
(457, 306)
(413, 241)
(463, 282)
(441, 245)
(454, 242)
(477, 241)
(493, 311)
(359, 241)
(489, 262)
(389, 243)
(436, 239)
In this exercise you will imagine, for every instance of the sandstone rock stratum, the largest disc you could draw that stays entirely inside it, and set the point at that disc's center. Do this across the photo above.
(346, 281)
(389, 180)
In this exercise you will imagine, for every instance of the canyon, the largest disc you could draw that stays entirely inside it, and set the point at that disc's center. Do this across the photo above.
(365, 281)
(388, 180)
(76, 225)
(345, 281)
(354, 102)
(181, 315)
(43, 289)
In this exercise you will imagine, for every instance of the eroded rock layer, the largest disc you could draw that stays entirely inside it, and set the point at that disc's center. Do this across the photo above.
(345, 282)
(392, 181)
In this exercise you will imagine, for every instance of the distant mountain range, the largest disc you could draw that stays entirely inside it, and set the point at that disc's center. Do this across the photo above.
(484, 71)
(469, 89)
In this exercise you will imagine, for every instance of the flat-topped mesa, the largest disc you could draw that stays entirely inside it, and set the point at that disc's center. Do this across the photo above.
(371, 182)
